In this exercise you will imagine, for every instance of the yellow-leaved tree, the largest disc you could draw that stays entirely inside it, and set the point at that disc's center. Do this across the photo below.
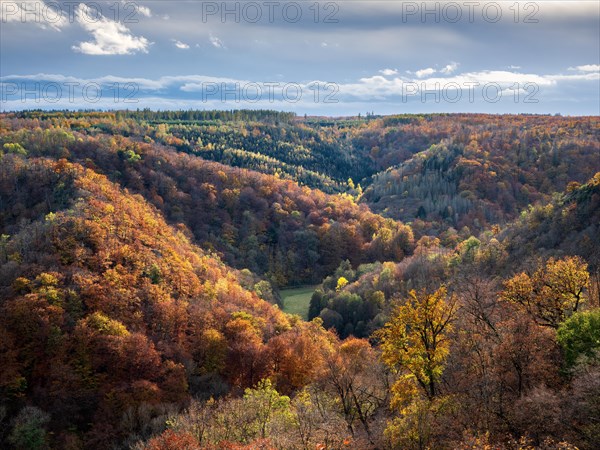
(553, 292)
(415, 343)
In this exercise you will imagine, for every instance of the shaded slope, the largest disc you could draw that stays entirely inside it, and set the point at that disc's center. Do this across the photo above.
(569, 225)
(488, 173)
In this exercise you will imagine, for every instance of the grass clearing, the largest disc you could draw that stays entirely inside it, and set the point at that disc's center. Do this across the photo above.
(297, 300)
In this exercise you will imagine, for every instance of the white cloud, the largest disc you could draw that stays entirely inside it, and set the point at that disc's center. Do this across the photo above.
(514, 67)
(586, 76)
(450, 68)
(424, 72)
(216, 42)
(181, 45)
(201, 84)
(144, 11)
(142, 83)
(376, 88)
(376, 85)
(33, 11)
(110, 37)
(587, 68)
(389, 72)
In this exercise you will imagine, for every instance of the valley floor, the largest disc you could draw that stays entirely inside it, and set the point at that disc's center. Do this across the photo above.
(297, 300)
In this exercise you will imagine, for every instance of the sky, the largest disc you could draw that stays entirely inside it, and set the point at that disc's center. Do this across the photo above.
(336, 58)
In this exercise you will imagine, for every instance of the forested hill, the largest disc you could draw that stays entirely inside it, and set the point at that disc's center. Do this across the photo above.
(487, 170)
(442, 173)
(568, 225)
(105, 307)
(273, 227)
(439, 170)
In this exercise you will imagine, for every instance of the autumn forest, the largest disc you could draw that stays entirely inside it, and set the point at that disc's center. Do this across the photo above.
(452, 263)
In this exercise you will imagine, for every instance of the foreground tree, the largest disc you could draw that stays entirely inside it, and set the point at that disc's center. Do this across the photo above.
(552, 293)
(358, 380)
(415, 341)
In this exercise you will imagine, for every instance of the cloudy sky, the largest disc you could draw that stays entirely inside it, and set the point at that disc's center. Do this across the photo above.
(315, 57)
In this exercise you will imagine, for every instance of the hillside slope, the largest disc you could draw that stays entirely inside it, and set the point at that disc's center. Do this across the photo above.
(108, 313)
(569, 225)
(273, 227)
(487, 173)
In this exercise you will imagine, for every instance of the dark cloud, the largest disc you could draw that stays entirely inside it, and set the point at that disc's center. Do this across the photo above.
(338, 42)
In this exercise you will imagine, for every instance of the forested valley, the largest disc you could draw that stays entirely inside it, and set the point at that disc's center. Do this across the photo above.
(143, 257)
